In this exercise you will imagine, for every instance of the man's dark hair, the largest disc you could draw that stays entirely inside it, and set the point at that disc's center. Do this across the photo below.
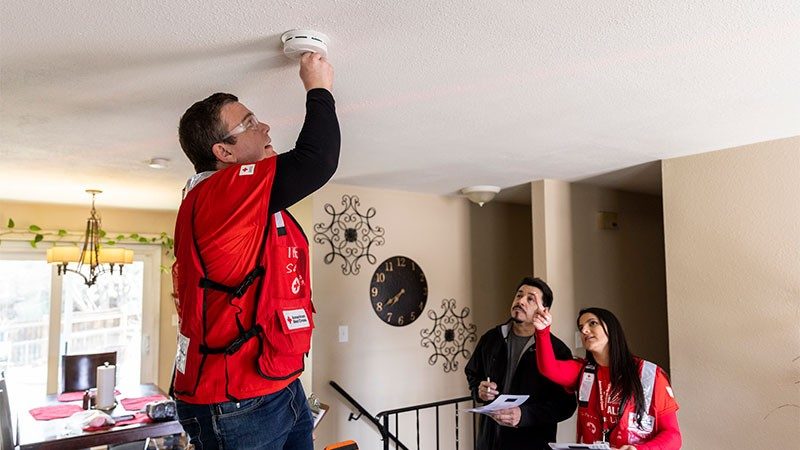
(547, 293)
(201, 127)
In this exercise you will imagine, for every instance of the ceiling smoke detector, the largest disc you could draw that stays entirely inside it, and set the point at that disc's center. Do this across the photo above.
(297, 42)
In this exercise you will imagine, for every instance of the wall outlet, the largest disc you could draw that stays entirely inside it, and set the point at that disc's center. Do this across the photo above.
(343, 333)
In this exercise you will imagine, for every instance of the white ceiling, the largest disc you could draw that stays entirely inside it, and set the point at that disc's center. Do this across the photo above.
(432, 96)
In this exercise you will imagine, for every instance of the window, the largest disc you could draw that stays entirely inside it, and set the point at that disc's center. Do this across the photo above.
(43, 316)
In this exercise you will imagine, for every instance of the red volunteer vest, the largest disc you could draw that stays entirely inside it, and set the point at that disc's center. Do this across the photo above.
(243, 296)
(627, 430)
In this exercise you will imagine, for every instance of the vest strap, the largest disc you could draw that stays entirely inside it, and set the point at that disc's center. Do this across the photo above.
(236, 291)
(648, 378)
(234, 346)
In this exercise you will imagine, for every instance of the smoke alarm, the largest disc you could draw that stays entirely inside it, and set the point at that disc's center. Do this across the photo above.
(297, 42)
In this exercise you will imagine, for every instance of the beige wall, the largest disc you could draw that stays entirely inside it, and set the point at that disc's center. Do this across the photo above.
(468, 254)
(623, 270)
(500, 240)
(732, 231)
(115, 220)
(552, 261)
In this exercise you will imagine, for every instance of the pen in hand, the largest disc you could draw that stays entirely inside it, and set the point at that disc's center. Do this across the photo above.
(489, 393)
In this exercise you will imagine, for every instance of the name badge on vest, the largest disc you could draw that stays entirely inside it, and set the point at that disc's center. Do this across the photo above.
(296, 319)
(181, 355)
(587, 380)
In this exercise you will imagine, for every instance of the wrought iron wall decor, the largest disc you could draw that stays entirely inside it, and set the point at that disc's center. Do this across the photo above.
(349, 235)
(449, 335)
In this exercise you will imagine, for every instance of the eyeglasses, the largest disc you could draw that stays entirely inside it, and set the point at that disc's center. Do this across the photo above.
(248, 123)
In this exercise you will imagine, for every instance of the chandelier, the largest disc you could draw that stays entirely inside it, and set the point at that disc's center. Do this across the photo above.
(92, 260)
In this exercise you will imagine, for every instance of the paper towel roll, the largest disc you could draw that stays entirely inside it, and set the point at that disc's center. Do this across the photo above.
(106, 380)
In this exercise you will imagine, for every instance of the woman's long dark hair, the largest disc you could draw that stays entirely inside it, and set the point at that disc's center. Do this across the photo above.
(622, 365)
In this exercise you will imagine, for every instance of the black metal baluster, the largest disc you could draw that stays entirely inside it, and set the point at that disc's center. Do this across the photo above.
(456, 405)
(385, 432)
(417, 429)
(437, 428)
(396, 427)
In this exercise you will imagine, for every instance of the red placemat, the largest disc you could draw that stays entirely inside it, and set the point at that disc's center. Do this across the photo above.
(75, 396)
(137, 403)
(137, 418)
(54, 411)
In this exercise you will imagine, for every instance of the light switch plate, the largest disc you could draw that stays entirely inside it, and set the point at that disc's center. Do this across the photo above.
(343, 333)
(578, 340)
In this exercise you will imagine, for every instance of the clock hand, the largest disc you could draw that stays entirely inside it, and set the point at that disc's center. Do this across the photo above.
(396, 298)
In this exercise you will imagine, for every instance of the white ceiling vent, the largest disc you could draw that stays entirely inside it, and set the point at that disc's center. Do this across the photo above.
(297, 42)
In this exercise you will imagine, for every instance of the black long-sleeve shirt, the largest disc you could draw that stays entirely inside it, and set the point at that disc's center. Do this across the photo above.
(315, 157)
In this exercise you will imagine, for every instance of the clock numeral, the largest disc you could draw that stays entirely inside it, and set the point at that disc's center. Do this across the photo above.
(425, 290)
(421, 305)
(421, 276)
(380, 277)
(389, 319)
(389, 267)
(400, 320)
(379, 307)
(413, 266)
(401, 262)
(413, 316)
(374, 292)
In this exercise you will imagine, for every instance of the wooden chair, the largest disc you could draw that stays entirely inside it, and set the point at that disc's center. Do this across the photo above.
(80, 371)
(6, 426)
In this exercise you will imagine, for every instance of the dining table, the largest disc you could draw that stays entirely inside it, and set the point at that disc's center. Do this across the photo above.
(63, 434)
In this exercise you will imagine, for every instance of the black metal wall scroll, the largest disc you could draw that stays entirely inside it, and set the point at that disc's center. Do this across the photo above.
(349, 235)
(449, 335)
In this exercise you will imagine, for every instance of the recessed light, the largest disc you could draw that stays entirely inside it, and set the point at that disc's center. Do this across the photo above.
(158, 163)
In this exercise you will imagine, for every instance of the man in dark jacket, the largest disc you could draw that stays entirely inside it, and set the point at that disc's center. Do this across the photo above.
(504, 362)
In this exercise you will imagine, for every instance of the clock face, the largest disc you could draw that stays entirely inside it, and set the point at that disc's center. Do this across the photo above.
(398, 291)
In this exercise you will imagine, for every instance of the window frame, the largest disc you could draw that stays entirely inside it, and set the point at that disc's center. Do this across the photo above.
(150, 255)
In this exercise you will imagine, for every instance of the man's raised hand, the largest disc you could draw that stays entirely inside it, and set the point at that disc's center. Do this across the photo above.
(316, 72)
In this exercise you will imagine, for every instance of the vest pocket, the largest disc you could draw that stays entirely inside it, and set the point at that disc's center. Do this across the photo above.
(288, 339)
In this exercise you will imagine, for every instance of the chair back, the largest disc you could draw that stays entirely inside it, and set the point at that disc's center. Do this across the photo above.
(80, 371)
(6, 426)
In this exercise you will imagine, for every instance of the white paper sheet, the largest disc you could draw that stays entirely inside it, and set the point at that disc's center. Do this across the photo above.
(504, 401)
(567, 446)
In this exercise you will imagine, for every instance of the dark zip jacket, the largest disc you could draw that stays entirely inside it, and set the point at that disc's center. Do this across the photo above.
(548, 404)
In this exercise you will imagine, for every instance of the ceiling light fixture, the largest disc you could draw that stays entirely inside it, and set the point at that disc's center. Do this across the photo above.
(91, 255)
(158, 163)
(297, 42)
(480, 194)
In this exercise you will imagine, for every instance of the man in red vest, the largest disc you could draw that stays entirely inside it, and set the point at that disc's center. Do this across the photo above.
(242, 272)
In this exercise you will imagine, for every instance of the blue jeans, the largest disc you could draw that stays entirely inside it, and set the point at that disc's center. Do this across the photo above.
(278, 421)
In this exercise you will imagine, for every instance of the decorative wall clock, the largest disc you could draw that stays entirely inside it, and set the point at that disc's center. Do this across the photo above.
(398, 291)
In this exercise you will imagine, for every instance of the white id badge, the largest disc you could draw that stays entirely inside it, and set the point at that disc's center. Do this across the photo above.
(183, 349)
(586, 386)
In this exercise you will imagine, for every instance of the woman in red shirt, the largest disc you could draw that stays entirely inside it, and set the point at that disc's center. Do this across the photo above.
(623, 400)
